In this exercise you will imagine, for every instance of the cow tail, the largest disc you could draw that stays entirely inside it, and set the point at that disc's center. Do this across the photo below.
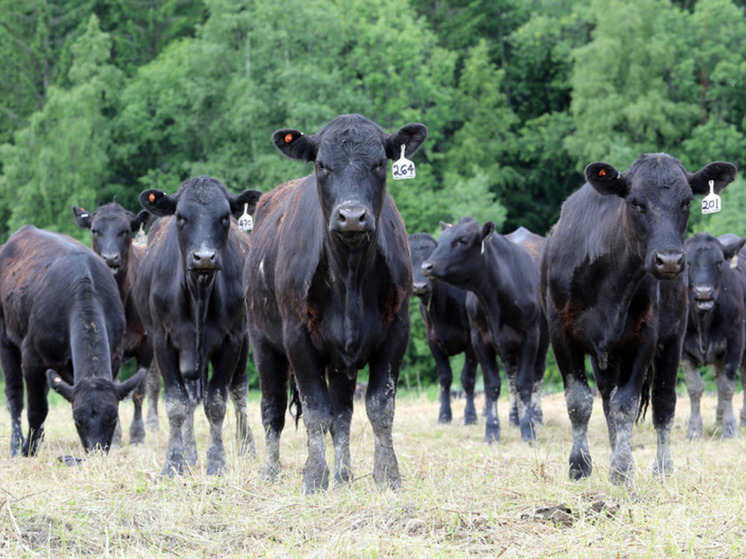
(645, 394)
(295, 400)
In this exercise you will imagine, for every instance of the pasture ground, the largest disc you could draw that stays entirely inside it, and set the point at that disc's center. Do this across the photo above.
(460, 497)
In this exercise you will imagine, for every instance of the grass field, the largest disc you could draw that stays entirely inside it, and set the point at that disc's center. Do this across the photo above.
(460, 497)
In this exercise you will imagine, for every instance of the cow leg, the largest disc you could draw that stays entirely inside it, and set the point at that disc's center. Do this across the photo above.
(726, 383)
(272, 367)
(468, 381)
(743, 388)
(215, 405)
(177, 408)
(239, 394)
(10, 361)
(491, 372)
(624, 405)
(137, 428)
(579, 399)
(194, 393)
(152, 393)
(36, 395)
(445, 378)
(540, 367)
(341, 392)
(695, 386)
(663, 398)
(514, 417)
(525, 384)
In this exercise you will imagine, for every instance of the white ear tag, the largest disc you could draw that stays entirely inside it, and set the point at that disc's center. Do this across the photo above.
(482, 247)
(403, 168)
(734, 261)
(140, 237)
(245, 222)
(711, 202)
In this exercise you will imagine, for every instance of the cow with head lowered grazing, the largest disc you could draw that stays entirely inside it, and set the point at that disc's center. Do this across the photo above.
(189, 294)
(61, 325)
(328, 281)
(613, 289)
(111, 228)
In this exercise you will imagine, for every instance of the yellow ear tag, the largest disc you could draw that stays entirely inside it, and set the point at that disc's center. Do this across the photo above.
(403, 168)
(245, 222)
(711, 202)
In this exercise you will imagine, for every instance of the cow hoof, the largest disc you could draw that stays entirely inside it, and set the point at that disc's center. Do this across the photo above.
(270, 472)
(580, 467)
(216, 469)
(445, 418)
(342, 476)
(492, 436)
(663, 468)
(528, 432)
(314, 483)
(152, 424)
(693, 434)
(623, 474)
(729, 430)
(172, 469)
(470, 419)
(137, 433)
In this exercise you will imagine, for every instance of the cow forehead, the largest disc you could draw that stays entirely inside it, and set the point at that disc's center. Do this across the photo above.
(657, 175)
(203, 201)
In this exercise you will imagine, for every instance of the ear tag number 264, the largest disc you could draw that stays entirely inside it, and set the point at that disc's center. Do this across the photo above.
(711, 202)
(403, 168)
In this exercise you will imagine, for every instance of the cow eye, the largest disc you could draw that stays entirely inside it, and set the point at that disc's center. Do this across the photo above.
(638, 206)
(322, 169)
(686, 204)
(381, 166)
(180, 219)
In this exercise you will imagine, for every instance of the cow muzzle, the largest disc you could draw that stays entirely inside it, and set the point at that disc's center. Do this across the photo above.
(113, 260)
(668, 264)
(419, 288)
(353, 222)
(203, 261)
(703, 297)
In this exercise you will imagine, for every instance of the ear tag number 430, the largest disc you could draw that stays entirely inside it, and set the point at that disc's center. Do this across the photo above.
(711, 202)
(245, 222)
(403, 168)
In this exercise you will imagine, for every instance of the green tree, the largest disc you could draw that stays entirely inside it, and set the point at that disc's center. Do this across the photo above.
(60, 158)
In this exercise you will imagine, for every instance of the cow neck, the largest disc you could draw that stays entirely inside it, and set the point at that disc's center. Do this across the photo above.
(348, 271)
(490, 285)
(89, 338)
(199, 292)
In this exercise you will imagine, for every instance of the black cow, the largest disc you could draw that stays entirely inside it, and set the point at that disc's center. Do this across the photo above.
(189, 294)
(613, 288)
(504, 310)
(328, 283)
(61, 324)
(111, 229)
(443, 311)
(716, 326)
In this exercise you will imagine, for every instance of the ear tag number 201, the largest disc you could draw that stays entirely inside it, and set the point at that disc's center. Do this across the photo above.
(711, 202)
(403, 168)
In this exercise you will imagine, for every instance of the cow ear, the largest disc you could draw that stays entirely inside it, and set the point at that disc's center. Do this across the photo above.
(605, 178)
(411, 135)
(295, 144)
(60, 386)
(82, 217)
(157, 202)
(720, 172)
(124, 388)
(487, 229)
(247, 198)
(139, 220)
(444, 225)
(731, 245)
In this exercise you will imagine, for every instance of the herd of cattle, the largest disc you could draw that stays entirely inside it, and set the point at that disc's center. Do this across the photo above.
(320, 289)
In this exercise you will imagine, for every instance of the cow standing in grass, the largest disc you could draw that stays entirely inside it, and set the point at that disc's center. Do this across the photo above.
(189, 294)
(505, 313)
(61, 324)
(111, 229)
(328, 283)
(716, 326)
(447, 330)
(613, 290)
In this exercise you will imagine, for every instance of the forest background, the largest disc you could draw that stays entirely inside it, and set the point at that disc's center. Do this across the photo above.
(102, 99)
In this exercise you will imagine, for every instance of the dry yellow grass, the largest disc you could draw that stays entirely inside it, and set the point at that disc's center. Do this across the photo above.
(460, 497)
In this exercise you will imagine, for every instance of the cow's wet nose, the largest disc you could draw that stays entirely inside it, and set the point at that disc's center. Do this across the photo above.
(112, 259)
(427, 267)
(419, 287)
(703, 292)
(351, 219)
(668, 263)
(204, 259)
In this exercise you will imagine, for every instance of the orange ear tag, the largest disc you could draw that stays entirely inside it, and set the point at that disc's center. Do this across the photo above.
(288, 138)
(602, 173)
(151, 197)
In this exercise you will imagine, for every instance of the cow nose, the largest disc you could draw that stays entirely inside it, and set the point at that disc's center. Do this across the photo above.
(112, 259)
(703, 292)
(427, 268)
(204, 259)
(351, 219)
(668, 263)
(419, 287)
